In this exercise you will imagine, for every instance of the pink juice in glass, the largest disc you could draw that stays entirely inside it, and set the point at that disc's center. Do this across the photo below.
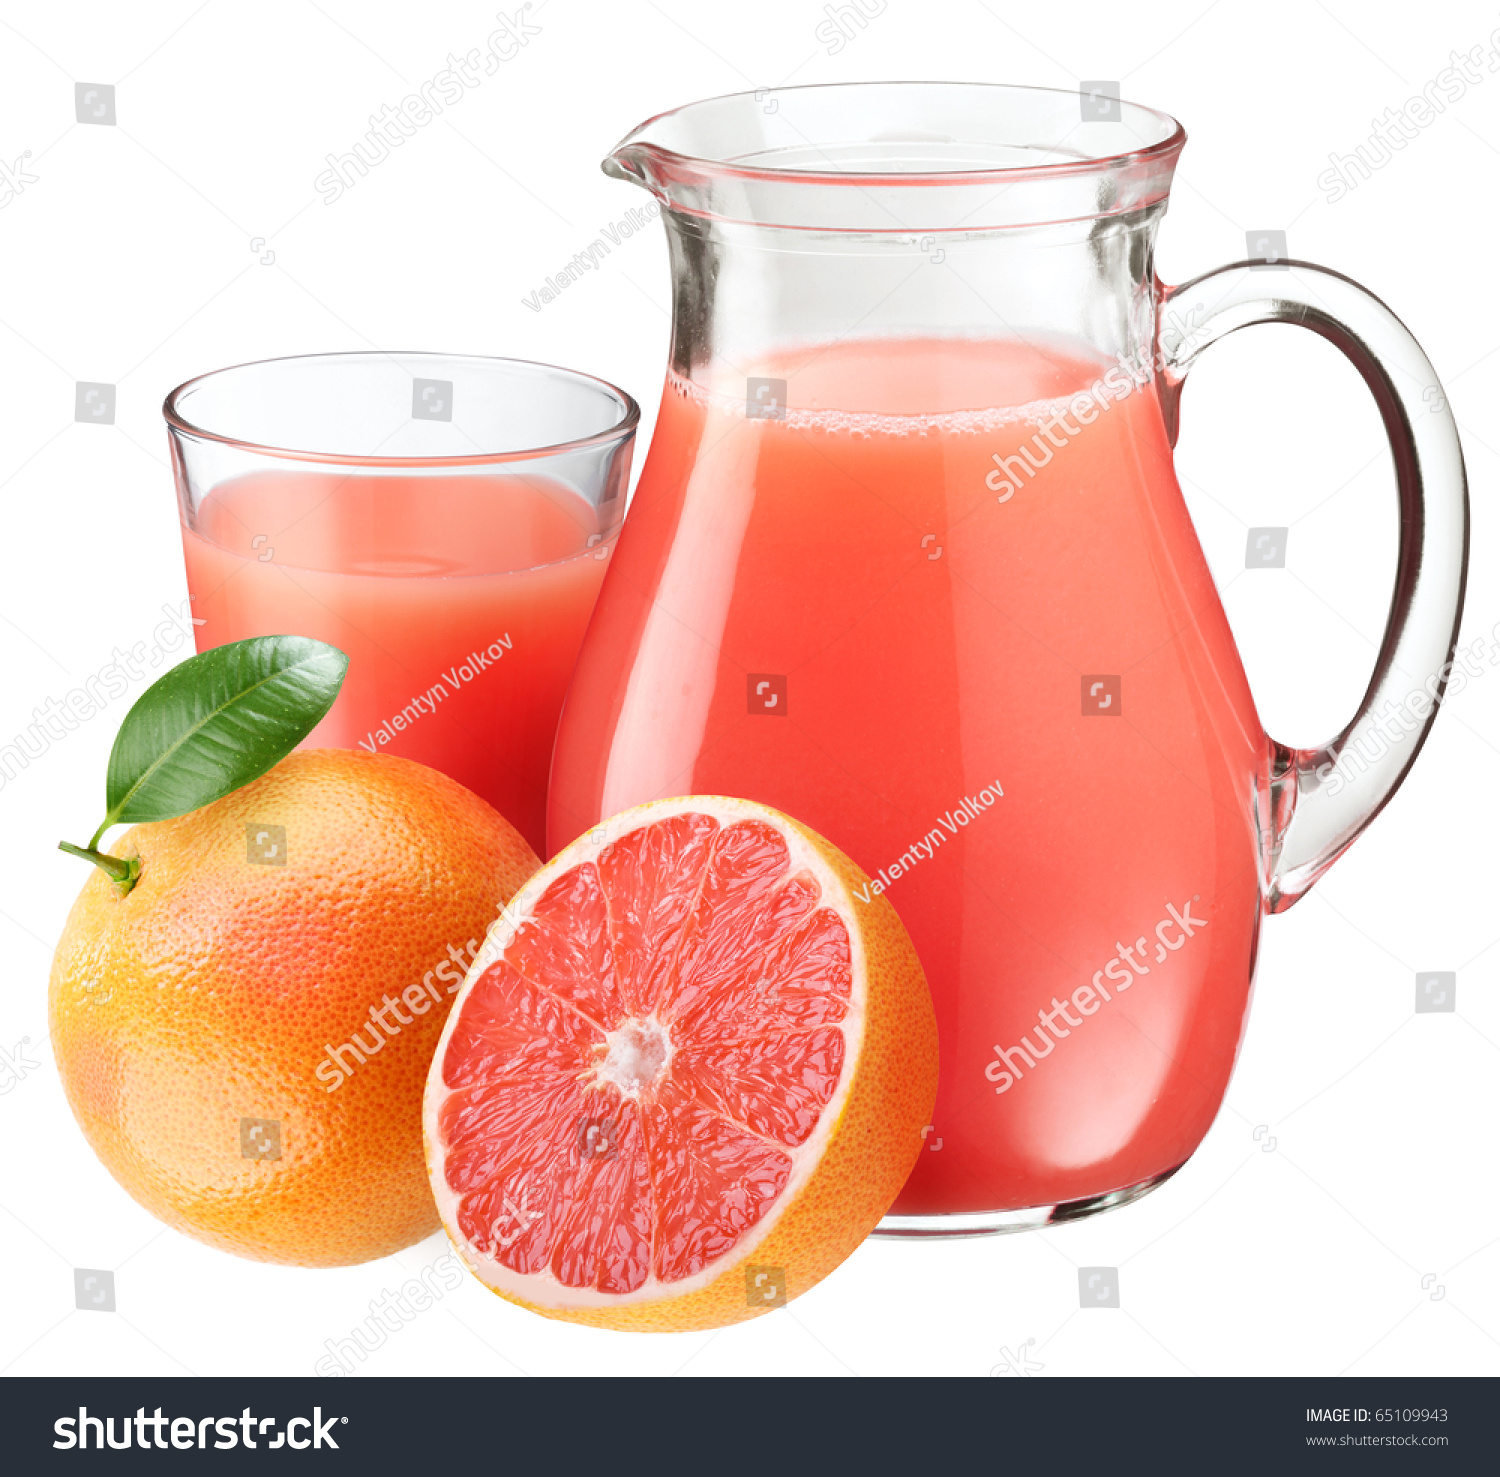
(461, 602)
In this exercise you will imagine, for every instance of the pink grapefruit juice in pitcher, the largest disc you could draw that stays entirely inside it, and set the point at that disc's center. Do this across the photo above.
(904, 617)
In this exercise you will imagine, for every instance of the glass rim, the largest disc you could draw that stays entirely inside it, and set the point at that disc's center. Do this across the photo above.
(624, 426)
(1174, 137)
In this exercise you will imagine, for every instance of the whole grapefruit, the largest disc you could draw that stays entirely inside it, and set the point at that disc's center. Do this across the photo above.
(244, 1036)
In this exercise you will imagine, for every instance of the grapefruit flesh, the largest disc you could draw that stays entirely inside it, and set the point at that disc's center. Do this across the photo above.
(689, 1057)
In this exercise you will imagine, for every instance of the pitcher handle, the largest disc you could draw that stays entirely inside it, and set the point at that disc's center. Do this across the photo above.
(1317, 807)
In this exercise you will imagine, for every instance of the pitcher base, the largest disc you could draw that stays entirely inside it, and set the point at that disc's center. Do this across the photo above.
(1006, 1222)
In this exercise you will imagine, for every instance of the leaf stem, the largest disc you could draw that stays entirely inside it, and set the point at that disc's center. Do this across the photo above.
(124, 871)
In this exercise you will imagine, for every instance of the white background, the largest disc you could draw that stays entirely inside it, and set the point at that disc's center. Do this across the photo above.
(129, 261)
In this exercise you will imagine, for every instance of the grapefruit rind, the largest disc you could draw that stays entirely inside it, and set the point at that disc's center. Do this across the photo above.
(844, 1174)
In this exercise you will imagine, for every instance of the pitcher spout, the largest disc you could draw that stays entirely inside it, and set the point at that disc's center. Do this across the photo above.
(632, 162)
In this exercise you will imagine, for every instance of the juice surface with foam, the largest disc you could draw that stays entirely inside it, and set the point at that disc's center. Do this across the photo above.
(950, 611)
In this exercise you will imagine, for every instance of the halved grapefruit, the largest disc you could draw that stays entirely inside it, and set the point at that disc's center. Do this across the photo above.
(686, 1076)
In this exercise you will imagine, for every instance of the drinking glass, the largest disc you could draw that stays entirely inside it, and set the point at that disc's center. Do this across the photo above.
(445, 520)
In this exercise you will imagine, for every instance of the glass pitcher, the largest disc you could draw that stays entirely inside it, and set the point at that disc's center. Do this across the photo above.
(909, 561)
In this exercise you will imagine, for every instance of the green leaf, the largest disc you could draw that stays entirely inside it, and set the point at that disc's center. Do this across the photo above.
(217, 721)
